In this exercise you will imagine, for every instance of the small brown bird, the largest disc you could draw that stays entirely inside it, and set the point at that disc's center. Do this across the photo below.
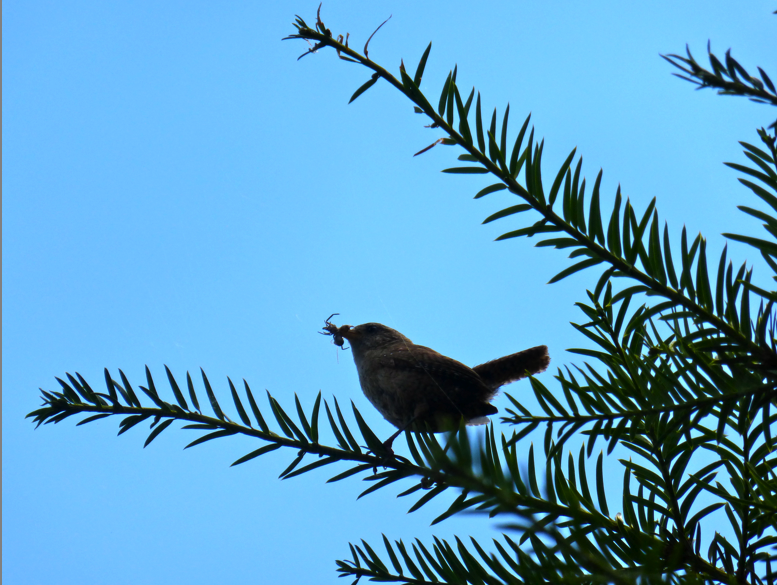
(416, 388)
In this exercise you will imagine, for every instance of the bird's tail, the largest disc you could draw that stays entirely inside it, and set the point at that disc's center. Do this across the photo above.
(513, 367)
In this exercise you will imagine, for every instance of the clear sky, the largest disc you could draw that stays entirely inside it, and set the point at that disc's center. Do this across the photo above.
(179, 190)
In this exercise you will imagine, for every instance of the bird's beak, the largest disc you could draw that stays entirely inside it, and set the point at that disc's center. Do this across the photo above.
(348, 332)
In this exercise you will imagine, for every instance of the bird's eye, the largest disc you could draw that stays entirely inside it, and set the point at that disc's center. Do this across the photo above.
(371, 328)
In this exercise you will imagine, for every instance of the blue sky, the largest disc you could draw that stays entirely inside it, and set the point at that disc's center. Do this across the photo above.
(179, 190)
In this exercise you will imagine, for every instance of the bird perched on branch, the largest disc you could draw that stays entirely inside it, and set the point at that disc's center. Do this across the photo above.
(418, 389)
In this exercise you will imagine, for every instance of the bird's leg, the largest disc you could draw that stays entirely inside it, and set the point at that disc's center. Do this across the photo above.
(388, 442)
(388, 453)
(420, 411)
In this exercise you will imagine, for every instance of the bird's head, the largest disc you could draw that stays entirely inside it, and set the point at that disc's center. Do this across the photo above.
(369, 336)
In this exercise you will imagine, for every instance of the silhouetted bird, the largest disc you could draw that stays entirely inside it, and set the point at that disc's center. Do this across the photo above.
(418, 389)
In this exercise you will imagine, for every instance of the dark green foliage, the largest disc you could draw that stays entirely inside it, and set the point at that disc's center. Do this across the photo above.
(679, 382)
(728, 79)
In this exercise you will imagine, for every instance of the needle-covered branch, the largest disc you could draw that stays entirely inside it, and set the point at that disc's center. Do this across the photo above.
(688, 363)
(631, 246)
(434, 467)
(488, 478)
(728, 76)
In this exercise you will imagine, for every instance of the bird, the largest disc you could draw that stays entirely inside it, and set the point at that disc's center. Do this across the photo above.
(418, 389)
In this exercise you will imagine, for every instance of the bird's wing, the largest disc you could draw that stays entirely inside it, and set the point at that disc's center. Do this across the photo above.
(513, 367)
(449, 385)
(441, 368)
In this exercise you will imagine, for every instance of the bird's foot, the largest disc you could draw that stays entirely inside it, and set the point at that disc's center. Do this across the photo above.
(386, 453)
